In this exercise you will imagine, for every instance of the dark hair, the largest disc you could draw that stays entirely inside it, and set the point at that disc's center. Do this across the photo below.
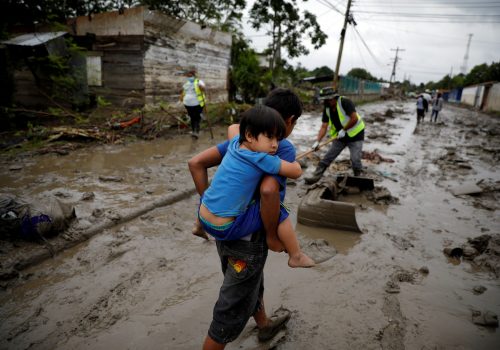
(286, 102)
(262, 120)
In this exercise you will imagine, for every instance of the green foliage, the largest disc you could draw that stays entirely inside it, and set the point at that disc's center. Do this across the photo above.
(287, 28)
(480, 73)
(222, 14)
(247, 75)
(361, 73)
(322, 71)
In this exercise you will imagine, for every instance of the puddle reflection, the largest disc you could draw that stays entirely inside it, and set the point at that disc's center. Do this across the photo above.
(343, 241)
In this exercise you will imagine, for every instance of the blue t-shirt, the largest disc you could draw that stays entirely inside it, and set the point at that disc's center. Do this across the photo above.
(286, 151)
(234, 183)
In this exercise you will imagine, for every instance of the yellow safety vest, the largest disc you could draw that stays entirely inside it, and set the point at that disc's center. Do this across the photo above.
(344, 120)
(199, 94)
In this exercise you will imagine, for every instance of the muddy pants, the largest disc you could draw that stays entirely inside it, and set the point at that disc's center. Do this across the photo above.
(243, 286)
(420, 115)
(195, 116)
(355, 149)
(434, 115)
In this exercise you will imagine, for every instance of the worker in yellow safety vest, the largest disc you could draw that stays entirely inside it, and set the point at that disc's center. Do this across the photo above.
(346, 126)
(193, 98)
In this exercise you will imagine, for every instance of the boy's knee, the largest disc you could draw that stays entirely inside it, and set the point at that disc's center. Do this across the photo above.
(269, 187)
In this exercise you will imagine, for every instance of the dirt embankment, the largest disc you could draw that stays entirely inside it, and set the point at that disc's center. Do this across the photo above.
(148, 283)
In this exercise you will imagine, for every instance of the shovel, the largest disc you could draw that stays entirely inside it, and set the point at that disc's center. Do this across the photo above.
(205, 111)
(302, 155)
(363, 183)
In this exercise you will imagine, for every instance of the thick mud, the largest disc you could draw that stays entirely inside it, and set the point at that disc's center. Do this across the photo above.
(140, 280)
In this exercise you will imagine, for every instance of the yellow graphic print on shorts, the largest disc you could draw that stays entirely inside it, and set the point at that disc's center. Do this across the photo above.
(237, 264)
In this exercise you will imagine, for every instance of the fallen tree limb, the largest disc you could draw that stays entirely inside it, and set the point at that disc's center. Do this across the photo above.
(41, 113)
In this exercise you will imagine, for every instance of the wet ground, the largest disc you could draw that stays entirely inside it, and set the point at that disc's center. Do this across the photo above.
(142, 281)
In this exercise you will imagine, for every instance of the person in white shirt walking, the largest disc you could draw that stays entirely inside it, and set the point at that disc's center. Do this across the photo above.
(193, 98)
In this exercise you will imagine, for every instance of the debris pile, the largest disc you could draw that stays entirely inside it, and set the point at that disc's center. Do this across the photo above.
(375, 157)
(483, 251)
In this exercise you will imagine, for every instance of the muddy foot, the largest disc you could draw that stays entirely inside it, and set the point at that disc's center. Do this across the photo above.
(274, 325)
(301, 260)
(198, 231)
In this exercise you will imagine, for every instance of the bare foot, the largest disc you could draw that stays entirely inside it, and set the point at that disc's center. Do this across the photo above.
(199, 231)
(301, 260)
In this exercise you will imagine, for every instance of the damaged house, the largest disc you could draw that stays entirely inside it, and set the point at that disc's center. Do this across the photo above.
(137, 57)
(40, 68)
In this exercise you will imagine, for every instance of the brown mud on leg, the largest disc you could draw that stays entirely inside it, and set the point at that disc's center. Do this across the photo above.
(197, 230)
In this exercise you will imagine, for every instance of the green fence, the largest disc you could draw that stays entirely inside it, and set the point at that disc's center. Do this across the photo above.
(350, 85)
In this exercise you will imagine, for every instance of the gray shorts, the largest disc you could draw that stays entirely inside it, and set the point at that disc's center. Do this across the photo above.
(242, 288)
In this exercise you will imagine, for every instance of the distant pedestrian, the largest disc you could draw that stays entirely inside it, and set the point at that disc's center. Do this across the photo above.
(437, 105)
(425, 100)
(193, 98)
(420, 108)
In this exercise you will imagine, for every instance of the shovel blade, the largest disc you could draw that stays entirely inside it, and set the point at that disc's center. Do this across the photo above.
(363, 183)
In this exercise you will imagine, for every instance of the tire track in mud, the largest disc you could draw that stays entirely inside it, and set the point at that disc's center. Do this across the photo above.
(105, 313)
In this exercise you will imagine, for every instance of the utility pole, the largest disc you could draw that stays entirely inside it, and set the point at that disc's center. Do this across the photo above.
(347, 19)
(463, 69)
(393, 74)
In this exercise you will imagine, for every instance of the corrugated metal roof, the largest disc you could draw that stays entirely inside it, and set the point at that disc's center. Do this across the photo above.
(33, 39)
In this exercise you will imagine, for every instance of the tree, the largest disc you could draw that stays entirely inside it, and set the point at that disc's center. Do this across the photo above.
(493, 73)
(361, 73)
(322, 71)
(31, 12)
(246, 73)
(457, 81)
(477, 75)
(287, 29)
(222, 14)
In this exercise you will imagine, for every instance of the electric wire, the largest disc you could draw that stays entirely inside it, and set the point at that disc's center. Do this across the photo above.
(368, 48)
(329, 5)
(360, 53)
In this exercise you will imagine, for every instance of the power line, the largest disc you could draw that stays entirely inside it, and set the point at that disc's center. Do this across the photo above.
(359, 50)
(424, 15)
(329, 5)
(430, 2)
(368, 49)
(431, 21)
(432, 5)
(434, 35)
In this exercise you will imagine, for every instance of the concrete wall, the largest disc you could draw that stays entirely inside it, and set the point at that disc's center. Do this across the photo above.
(471, 95)
(493, 100)
(485, 96)
(172, 47)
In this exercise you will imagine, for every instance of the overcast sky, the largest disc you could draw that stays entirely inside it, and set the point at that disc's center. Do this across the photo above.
(432, 33)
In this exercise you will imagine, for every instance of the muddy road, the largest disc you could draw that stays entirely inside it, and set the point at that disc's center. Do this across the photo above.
(142, 281)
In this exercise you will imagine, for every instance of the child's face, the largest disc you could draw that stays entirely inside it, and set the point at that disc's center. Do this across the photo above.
(262, 143)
